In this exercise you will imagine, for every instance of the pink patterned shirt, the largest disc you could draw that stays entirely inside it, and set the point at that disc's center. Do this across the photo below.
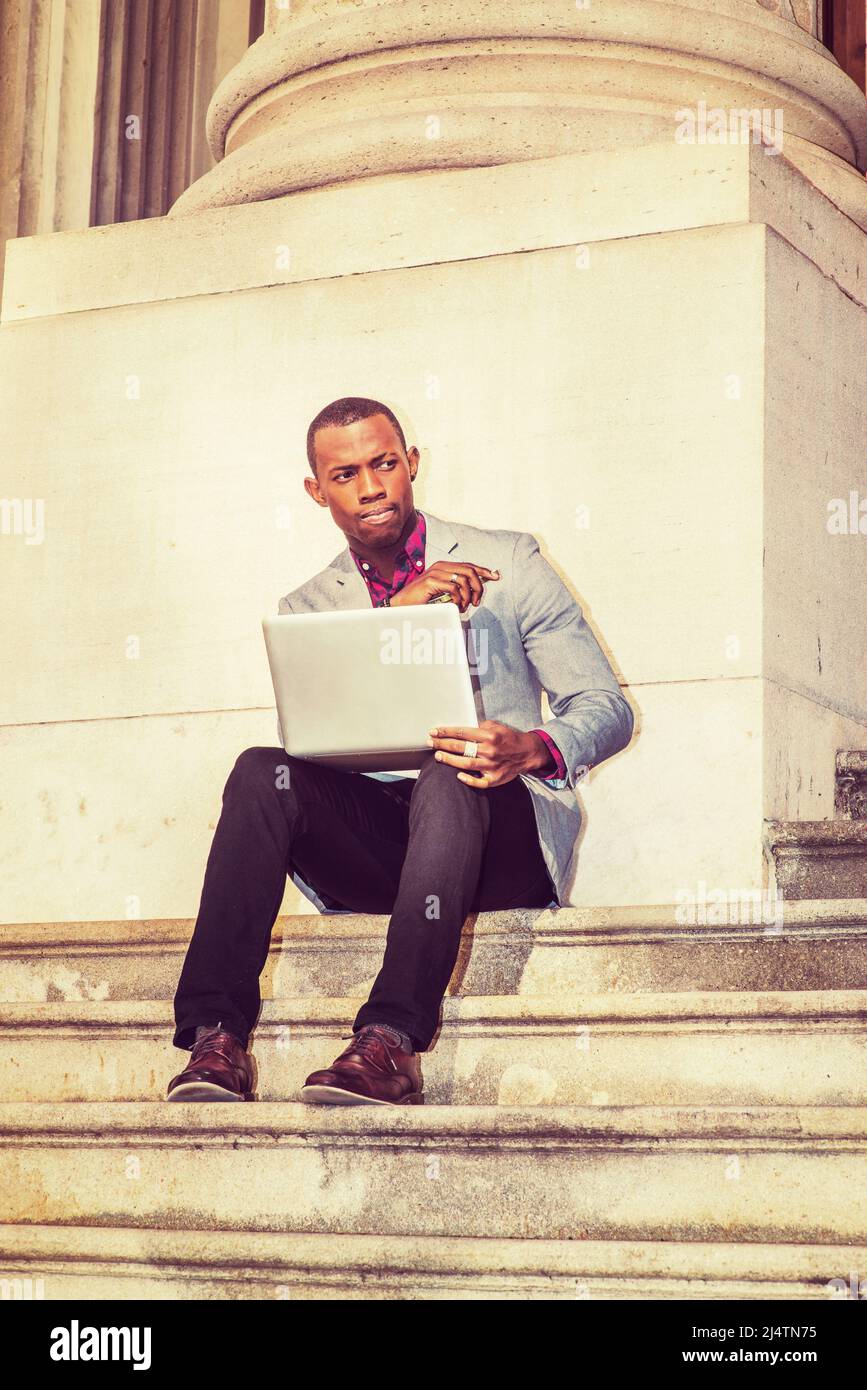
(410, 562)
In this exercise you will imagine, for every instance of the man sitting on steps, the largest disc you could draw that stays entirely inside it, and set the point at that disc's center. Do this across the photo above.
(490, 821)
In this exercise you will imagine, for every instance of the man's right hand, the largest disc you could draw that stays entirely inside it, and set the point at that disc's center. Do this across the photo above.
(466, 588)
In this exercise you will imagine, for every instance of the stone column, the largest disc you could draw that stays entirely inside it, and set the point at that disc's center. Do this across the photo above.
(102, 106)
(332, 92)
(48, 80)
(159, 63)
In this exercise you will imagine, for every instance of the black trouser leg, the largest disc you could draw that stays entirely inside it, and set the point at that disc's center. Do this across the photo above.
(449, 824)
(468, 850)
(352, 833)
(428, 850)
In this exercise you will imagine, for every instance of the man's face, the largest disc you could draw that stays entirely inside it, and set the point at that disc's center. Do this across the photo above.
(362, 469)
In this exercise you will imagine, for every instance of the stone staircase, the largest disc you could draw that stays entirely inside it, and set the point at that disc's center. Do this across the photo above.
(619, 1106)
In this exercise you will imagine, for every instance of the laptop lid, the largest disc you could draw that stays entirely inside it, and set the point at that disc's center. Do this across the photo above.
(358, 689)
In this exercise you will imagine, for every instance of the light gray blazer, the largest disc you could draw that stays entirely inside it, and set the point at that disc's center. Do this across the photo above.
(527, 634)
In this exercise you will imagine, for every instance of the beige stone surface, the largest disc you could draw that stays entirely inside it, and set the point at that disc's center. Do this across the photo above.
(815, 432)
(552, 954)
(435, 216)
(781, 1173)
(107, 818)
(316, 102)
(75, 76)
(796, 788)
(115, 1263)
(681, 807)
(175, 516)
(670, 344)
(173, 494)
(114, 818)
(812, 858)
(721, 1048)
(49, 76)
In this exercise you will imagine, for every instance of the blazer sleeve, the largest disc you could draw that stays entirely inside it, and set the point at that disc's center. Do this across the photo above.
(591, 718)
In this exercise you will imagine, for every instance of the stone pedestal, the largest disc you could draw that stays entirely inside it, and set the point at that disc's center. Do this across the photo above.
(650, 353)
(616, 351)
(333, 91)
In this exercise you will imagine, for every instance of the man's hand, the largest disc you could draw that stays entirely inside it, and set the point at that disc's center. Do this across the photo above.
(503, 753)
(466, 588)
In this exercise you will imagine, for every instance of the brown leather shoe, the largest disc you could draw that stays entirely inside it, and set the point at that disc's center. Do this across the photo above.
(372, 1070)
(219, 1069)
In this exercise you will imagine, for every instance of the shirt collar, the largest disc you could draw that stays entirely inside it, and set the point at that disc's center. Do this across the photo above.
(409, 562)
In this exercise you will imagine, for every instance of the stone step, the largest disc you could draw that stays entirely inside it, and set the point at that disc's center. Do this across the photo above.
(106, 1263)
(820, 945)
(796, 1047)
(818, 858)
(658, 1173)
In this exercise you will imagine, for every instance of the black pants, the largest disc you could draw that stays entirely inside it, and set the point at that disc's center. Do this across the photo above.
(428, 850)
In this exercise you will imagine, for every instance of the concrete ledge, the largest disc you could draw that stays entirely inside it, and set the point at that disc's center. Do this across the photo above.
(818, 859)
(556, 1127)
(117, 1263)
(631, 922)
(759, 1174)
(720, 1048)
(551, 954)
(468, 1011)
(434, 217)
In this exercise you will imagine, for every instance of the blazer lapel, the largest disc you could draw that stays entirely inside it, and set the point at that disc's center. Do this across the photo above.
(346, 586)
(441, 543)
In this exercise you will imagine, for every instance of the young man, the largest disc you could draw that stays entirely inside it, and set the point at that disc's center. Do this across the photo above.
(489, 821)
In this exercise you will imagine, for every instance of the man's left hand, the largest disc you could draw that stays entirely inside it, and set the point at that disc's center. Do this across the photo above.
(503, 752)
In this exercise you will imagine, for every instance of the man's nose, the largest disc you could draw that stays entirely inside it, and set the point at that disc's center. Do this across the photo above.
(370, 484)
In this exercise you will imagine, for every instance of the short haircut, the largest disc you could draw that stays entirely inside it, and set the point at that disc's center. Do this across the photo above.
(345, 412)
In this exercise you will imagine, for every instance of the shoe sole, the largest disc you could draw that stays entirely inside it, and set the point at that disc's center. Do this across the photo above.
(202, 1090)
(336, 1095)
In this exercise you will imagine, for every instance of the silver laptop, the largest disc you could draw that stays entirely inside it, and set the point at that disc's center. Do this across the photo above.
(358, 689)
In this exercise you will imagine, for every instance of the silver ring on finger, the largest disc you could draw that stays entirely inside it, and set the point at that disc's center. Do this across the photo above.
(470, 749)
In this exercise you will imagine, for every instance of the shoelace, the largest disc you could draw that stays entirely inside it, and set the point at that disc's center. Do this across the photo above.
(213, 1042)
(365, 1041)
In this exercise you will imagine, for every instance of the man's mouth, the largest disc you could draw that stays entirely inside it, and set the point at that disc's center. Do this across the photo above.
(377, 518)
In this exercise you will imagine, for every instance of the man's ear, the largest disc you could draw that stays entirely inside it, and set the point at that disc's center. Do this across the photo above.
(312, 487)
(412, 458)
